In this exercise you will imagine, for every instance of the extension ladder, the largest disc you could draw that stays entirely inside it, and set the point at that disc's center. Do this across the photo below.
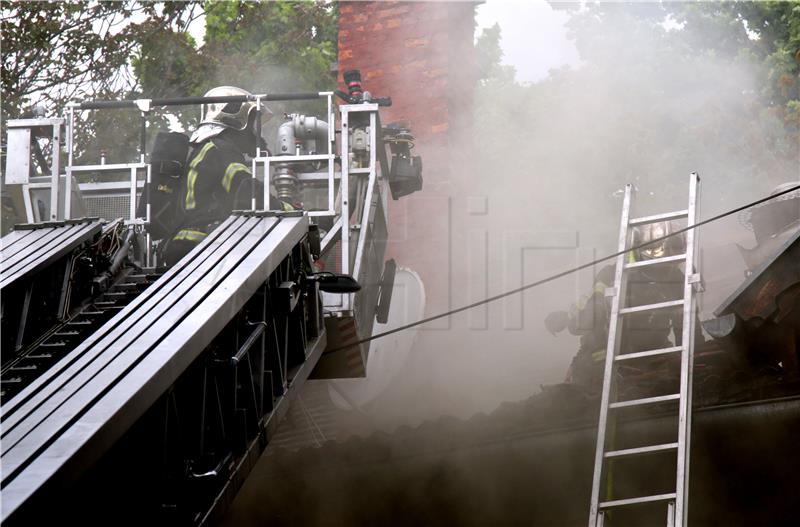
(676, 502)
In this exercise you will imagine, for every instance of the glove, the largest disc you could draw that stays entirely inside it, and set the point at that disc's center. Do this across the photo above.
(556, 322)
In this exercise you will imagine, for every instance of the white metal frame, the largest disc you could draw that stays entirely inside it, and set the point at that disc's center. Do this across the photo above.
(338, 206)
(55, 165)
(338, 203)
(329, 157)
(133, 168)
(364, 202)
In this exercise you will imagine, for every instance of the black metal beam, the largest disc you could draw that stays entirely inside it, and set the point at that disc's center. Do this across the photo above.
(42, 247)
(79, 410)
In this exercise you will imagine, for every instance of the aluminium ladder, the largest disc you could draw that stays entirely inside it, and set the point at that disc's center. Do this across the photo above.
(676, 502)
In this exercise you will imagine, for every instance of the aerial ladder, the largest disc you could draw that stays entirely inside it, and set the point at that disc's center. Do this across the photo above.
(667, 504)
(143, 393)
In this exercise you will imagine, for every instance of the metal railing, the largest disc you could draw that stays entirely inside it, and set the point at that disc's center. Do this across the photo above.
(350, 198)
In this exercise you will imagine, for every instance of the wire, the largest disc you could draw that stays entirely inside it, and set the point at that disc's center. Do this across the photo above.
(564, 273)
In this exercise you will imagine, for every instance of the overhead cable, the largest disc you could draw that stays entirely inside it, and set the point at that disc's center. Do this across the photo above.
(565, 273)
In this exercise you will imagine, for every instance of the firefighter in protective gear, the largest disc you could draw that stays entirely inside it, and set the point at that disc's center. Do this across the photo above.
(589, 320)
(654, 284)
(218, 178)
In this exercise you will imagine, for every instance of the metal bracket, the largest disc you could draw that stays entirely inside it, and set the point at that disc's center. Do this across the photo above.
(289, 294)
(697, 281)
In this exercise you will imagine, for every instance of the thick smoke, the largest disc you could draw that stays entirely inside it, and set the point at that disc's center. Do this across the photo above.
(535, 188)
(543, 193)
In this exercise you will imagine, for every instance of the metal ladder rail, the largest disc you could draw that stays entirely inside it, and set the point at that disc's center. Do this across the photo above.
(691, 284)
(677, 501)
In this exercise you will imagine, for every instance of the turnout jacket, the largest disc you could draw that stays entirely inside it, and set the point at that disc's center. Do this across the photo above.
(213, 184)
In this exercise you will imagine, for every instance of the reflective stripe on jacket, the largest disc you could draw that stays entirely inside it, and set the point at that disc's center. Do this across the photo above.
(191, 178)
(190, 235)
(231, 171)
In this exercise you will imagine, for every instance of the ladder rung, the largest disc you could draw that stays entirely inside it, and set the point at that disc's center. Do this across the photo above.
(634, 501)
(659, 217)
(641, 450)
(656, 261)
(650, 353)
(31, 367)
(647, 400)
(38, 356)
(651, 307)
(128, 286)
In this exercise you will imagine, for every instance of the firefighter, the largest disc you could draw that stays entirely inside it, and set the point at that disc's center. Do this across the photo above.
(589, 320)
(644, 331)
(654, 284)
(218, 178)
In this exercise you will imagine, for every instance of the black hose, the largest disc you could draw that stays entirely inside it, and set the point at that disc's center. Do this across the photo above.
(121, 254)
(189, 101)
(567, 272)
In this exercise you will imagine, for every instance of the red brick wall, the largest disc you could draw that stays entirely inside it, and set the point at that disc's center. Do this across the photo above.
(420, 54)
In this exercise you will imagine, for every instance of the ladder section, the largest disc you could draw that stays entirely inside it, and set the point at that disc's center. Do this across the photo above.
(31, 362)
(199, 366)
(610, 459)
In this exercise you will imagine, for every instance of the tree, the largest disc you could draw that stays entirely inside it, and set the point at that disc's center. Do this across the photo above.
(488, 57)
(648, 105)
(54, 52)
(57, 52)
(263, 47)
(767, 31)
(763, 35)
(273, 47)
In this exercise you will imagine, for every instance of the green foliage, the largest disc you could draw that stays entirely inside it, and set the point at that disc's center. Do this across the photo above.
(762, 35)
(169, 65)
(272, 47)
(648, 105)
(55, 52)
(773, 39)
(488, 56)
(246, 40)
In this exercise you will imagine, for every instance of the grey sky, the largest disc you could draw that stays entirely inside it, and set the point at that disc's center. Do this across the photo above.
(534, 37)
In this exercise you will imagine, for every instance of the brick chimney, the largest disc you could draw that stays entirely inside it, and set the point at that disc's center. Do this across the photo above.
(421, 54)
